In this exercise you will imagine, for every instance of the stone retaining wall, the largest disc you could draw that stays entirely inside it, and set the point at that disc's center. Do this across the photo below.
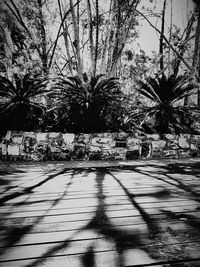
(104, 146)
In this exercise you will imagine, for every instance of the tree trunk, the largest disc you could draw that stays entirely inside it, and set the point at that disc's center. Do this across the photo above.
(116, 42)
(91, 42)
(76, 43)
(183, 47)
(161, 37)
(106, 44)
(97, 38)
(44, 56)
(123, 25)
(170, 37)
(65, 35)
(196, 57)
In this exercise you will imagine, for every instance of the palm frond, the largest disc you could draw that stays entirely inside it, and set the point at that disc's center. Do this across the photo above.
(147, 90)
(167, 117)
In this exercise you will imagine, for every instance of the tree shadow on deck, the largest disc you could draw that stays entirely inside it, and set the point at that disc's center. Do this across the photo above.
(166, 172)
(14, 234)
(104, 228)
(21, 185)
(29, 190)
(122, 238)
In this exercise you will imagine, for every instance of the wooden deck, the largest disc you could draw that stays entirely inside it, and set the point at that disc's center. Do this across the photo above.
(100, 214)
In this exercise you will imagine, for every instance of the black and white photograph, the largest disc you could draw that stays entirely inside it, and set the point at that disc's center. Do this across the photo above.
(100, 133)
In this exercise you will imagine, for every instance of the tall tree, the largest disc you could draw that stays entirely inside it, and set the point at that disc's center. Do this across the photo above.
(12, 38)
(183, 44)
(161, 37)
(76, 42)
(90, 32)
(196, 56)
(124, 20)
(66, 38)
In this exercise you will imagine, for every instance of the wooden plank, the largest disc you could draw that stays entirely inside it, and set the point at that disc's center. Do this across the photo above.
(21, 197)
(181, 206)
(179, 230)
(160, 220)
(86, 216)
(106, 259)
(77, 247)
(62, 205)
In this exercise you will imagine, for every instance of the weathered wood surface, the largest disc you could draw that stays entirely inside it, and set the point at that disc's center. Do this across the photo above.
(110, 214)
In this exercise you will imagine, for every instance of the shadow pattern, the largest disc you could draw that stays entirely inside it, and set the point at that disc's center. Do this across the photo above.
(151, 242)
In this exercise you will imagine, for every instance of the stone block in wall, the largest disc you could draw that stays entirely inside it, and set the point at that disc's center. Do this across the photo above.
(35, 157)
(41, 136)
(21, 150)
(120, 139)
(55, 140)
(157, 148)
(170, 136)
(65, 155)
(13, 150)
(13, 157)
(68, 138)
(79, 151)
(30, 134)
(53, 156)
(29, 144)
(184, 153)
(132, 143)
(42, 150)
(195, 153)
(67, 148)
(82, 138)
(53, 134)
(157, 154)
(172, 141)
(195, 142)
(119, 153)
(153, 137)
(54, 149)
(157, 145)
(94, 155)
(113, 154)
(132, 154)
(170, 153)
(3, 149)
(105, 141)
(17, 139)
(94, 148)
(108, 154)
(184, 141)
(145, 149)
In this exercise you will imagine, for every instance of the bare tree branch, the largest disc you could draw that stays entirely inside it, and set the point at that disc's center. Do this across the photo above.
(58, 34)
(166, 40)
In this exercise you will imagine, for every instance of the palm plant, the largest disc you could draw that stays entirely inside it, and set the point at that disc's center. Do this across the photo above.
(166, 112)
(87, 104)
(20, 104)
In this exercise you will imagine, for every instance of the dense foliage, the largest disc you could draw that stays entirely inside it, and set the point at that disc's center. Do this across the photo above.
(21, 106)
(62, 40)
(166, 113)
(88, 104)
